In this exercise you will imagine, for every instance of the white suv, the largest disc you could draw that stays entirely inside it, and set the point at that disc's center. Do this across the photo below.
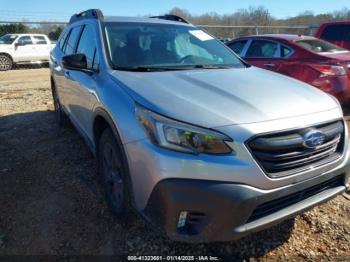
(23, 49)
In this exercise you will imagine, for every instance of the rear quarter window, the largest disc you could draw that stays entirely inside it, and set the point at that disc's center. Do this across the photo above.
(285, 51)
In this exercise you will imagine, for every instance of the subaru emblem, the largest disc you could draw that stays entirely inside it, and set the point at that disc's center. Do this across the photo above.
(313, 138)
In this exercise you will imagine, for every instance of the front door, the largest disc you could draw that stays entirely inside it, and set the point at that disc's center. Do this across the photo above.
(81, 86)
(64, 82)
(24, 49)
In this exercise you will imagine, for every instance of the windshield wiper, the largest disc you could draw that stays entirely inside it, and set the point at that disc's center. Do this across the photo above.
(149, 68)
(171, 68)
(214, 66)
(203, 66)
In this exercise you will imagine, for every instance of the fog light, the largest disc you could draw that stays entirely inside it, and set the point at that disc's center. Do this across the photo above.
(182, 219)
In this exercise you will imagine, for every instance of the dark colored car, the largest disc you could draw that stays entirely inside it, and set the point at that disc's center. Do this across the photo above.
(337, 33)
(309, 59)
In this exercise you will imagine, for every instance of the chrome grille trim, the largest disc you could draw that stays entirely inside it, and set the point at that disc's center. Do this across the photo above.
(282, 154)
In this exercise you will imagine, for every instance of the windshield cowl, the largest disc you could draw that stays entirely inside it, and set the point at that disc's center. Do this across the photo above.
(172, 68)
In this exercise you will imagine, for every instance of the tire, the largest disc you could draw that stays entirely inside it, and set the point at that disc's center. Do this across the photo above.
(5, 63)
(61, 117)
(114, 176)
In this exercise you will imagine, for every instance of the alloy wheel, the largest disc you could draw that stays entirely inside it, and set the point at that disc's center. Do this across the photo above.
(5, 63)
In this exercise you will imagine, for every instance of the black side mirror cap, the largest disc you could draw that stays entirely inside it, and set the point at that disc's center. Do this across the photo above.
(77, 62)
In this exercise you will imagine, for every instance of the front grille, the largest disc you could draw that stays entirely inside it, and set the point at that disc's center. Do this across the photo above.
(284, 153)
(273, 206)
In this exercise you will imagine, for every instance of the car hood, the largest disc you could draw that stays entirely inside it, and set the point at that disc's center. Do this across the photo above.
(219, 97)
(5, 47)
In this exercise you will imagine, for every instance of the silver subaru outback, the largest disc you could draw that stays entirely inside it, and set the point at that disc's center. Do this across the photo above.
(204, 146)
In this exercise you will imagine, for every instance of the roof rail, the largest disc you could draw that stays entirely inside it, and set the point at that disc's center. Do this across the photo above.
(91, 13)
(175, 18)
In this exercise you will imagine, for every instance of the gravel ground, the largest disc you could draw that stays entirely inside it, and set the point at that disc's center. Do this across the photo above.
(51, 203)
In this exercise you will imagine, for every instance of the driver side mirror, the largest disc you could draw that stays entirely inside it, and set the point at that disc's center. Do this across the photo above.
(19, 44)
(77, 62)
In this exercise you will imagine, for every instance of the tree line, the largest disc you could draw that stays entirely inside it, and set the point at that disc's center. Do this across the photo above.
(52, 31)
(252, 16)
(260, 16)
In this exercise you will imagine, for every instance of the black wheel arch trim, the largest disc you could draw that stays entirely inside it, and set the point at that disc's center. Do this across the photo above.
(106, 116)
(100, 112)
(8, 55)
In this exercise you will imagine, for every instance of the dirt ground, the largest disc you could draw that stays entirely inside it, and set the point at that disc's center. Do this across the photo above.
(51, 203)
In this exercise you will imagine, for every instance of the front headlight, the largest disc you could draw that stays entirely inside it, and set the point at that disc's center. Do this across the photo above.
(180, 136)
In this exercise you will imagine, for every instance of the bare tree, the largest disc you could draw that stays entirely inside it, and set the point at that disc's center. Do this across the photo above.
(259, 16)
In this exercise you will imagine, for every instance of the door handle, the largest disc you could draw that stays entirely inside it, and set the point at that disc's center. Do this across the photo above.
(270, 65)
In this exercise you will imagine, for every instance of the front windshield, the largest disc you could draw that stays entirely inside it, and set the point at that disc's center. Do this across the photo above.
(7, 39)
(319, 46)
(141, 45)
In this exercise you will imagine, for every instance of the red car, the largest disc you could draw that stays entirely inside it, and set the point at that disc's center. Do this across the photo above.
(337, 33)
(309, 59)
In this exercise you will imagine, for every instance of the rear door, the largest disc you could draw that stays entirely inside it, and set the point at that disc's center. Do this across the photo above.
(42, 47)
(338, 34)
(265, 54)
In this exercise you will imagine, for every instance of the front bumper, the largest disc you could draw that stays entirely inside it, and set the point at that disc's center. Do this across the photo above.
(219, 211)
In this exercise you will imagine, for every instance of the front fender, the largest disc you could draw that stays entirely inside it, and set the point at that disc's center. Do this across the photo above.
(118, 109)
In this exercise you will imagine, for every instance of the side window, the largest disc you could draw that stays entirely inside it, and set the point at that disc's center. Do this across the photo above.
(86, 45)
(25, 40)
(263, 49)
(285, 51)
(40, 40)
(63, 39)
(69, 47)
(238, 46)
